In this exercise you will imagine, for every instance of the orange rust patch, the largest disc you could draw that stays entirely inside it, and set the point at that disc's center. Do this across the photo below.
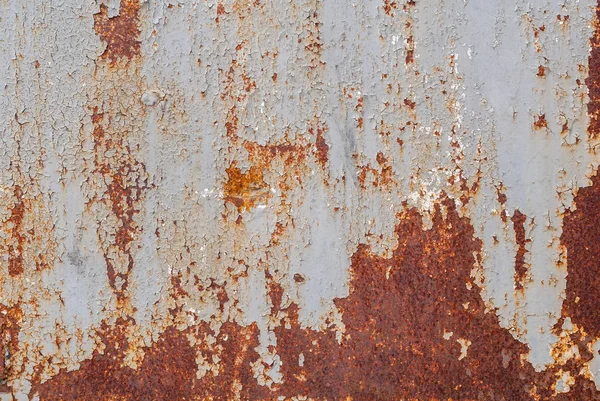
(541, 71)
(389, 6)
(368, 175)
(518, 219)
(245, 189)
(120, 33)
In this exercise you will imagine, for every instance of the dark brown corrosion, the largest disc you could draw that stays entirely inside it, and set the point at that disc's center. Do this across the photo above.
(168, 371)
(416, 327)
(518, 219)
(120, 33)
(581, 237)
(581, 225)
(593, 80)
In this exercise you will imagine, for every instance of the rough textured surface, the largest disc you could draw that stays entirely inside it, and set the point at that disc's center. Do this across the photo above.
(293, 200)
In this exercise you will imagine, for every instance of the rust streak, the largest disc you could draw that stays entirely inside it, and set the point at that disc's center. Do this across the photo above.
(15, 251)
(518, 219)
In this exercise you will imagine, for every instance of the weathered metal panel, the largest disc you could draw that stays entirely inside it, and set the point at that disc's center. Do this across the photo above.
(305, 199)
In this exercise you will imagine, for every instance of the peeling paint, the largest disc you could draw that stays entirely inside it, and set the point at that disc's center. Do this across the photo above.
(312, 199)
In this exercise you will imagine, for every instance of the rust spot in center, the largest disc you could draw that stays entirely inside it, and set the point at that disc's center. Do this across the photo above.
(540, 122)
(120, 33)
(245, 189)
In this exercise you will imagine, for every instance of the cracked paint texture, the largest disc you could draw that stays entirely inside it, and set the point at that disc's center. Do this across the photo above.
(299, 200)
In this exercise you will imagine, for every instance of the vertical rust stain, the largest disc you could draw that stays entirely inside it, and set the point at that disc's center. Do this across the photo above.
(126, 180)
(518, 219)
(321, 147)
(410, 50)
(120, 33)
(15, 249)
(581, 237)
(593, 80)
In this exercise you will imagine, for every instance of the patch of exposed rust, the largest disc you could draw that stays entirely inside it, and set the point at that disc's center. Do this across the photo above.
(581, 237)
(416, 327)
(389, 6)
(540, 122)
(168, 371)
(120, 33)
(381, 176)
(541, 71)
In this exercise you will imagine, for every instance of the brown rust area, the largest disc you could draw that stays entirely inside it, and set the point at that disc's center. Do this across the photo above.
(168, 370)
(120, 33)
(581, 237)
(593, 79)
(521, 268)
(245, 189)
(405, 319)
(15, 221)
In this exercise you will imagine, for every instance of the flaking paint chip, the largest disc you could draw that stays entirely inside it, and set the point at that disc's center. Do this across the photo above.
(150, 98)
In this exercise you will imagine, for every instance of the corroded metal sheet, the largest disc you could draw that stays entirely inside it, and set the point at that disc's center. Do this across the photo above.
(299, 200)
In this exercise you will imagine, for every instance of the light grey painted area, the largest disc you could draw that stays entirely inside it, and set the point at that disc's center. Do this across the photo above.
(476, 92)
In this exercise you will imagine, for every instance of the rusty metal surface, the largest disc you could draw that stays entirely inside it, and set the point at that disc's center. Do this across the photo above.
(299, 200)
